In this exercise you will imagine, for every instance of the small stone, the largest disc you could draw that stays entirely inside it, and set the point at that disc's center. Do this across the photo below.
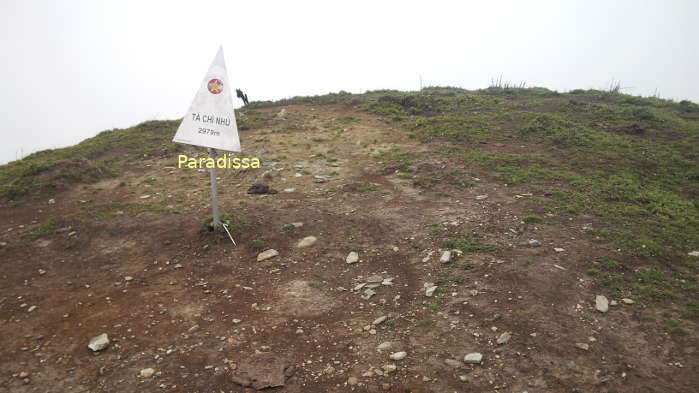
(352, 381)
(558, 249)
(368, 293)
(23, 375)
(473, 358)
(52, 201)
(627, 301)
(147, 372)
(146, 196)
(99, 343)
(429, 289)
(289, 189)
(375, 279)
(297, 224)
(693, 254)
(481, 197)
(271, 253)
(379, 320)
(446, 257)
(384, 346)
(32, 308)
(387, 281)
(504, 338)
(534, 243)
(601, 303)
(453, 363)
(42, 272)
(389, 368)
(398, 355)
(352, 257)
(236, 321)
(128, 278)
(583, 346)
(307, 241)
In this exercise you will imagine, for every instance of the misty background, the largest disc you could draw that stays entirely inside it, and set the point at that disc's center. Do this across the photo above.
(71, 69)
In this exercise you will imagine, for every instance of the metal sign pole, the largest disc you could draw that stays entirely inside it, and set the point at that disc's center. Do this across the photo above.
(214, 192)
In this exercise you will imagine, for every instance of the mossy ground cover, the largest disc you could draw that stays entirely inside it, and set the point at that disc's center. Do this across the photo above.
(631, 162)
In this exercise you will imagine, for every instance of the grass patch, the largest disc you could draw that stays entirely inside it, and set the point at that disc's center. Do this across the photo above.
(532, 219)
(45, 229)
(467, 243)
(424, 323)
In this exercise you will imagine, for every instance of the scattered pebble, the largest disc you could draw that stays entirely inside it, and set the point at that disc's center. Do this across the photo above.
(583, 346)
(147, 372)
(601, 303)
(398, 355)
(534, 243)
(379, 320)
(429, 289)
(99, 343)
(473, 358)
(271, 253)
(352, 257)
(307, 241)
(627, 301)
(504, 338)
(446, 257)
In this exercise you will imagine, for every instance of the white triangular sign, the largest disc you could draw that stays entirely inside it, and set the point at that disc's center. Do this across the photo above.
(210, 121)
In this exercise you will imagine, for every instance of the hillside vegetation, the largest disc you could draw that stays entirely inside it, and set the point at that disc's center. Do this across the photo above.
(630, 163)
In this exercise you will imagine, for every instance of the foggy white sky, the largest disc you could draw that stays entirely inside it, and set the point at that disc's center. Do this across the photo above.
(71, 69)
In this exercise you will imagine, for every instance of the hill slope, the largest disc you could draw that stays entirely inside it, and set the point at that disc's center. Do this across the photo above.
(545, 200)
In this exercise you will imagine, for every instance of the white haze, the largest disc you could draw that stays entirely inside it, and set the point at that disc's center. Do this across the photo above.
(70, 69)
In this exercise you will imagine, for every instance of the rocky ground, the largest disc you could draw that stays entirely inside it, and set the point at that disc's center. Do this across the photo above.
(359, 294)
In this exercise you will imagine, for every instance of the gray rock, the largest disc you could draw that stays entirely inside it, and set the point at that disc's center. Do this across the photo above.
(601, 303)
(504, 338)
(446, 257)
(375, 279)
(352, 381)
(398, 355)
(99, 343)
(693, 254)
(429, 289)
(379, 320)
(352, 257)
(583, 346)
(534, 243)
(307, 241)
(267, 254)
(384, 346)
(473, 358)
(147, 372)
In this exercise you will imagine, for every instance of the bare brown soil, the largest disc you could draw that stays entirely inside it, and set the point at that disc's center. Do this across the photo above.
(186, 286)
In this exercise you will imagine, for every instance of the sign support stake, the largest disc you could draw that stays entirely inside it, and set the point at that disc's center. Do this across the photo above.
(216, 222)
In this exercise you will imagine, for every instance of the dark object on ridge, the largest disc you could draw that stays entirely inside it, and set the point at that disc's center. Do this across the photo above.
(260, 188)
(242, 96)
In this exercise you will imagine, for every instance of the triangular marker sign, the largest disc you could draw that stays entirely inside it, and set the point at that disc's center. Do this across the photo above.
(210, 121)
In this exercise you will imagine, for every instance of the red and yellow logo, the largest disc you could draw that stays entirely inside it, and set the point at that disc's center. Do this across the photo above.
(215, 86)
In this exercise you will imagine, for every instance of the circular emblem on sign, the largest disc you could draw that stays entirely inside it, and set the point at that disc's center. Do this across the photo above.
(215, 86)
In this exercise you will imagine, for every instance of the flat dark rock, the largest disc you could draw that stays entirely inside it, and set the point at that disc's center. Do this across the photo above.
(263, 371)
(260, 188)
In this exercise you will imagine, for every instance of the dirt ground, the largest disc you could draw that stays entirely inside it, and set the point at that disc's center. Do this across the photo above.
(198, 310)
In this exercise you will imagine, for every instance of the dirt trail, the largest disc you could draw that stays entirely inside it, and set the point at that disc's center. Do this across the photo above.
(193, 308)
